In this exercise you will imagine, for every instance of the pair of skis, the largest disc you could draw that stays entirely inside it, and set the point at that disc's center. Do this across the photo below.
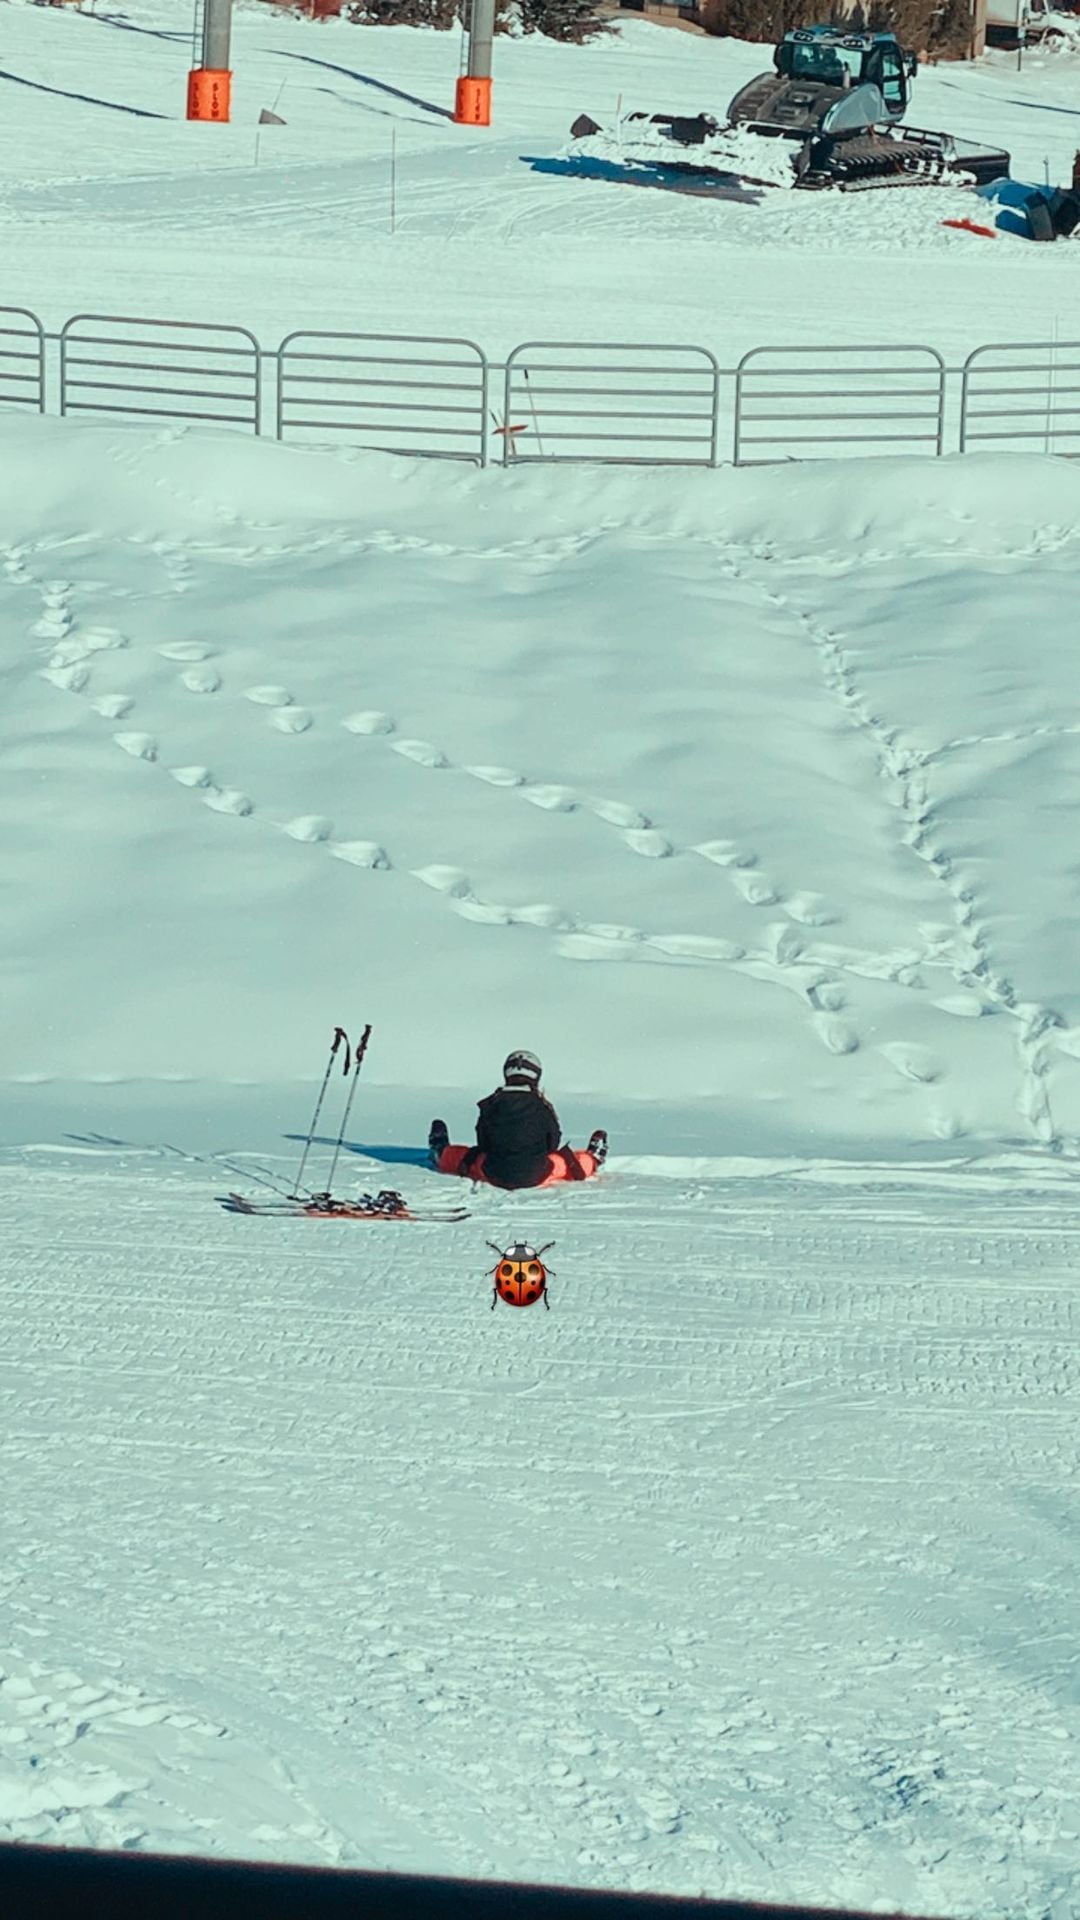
(303, 1203)
(387, 1205)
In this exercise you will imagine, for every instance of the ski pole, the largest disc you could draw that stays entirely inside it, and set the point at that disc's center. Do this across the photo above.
(339, 1035)
(358, 1056)
(532, 409)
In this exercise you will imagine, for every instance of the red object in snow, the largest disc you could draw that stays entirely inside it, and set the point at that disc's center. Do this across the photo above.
(972, 226)
(450, 1160)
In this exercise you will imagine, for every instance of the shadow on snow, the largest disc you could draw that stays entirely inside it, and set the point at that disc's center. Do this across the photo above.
(668, 177)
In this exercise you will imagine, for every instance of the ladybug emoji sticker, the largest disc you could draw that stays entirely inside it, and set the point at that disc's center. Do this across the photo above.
(520, 1276)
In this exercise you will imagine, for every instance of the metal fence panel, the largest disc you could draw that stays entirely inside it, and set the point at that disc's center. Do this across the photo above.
(22, 359)
(1019, 392)
(614, 402)
(400, 393)
(640, 404)
(795, 403)
(160, 369)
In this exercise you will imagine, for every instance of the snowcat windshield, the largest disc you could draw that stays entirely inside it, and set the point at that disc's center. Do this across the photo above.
(832, 66)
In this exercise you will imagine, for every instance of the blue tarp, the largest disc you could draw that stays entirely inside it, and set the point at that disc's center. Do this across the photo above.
(1009, 197)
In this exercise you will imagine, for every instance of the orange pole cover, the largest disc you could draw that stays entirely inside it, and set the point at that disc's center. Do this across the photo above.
(472, 102)
(208, 93)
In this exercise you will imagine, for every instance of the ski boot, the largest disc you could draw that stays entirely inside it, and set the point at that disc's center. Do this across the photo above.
(388, 1202)
(438, 1140)
(598, 1146)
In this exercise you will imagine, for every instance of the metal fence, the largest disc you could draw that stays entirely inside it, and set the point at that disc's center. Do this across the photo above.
(827, 400)
(160, 370)
(1022, 394)
(402, 395)
(22, 359)
(646, 403)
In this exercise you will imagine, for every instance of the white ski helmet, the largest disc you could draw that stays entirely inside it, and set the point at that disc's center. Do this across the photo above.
(521, 1069)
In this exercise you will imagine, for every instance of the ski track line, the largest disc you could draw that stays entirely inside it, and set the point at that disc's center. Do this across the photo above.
(575, 939)
(902, 771)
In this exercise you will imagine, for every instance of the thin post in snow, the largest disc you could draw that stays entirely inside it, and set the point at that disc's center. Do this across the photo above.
(1048, 434)
(393, 179)
(532, 410)
(273, 110)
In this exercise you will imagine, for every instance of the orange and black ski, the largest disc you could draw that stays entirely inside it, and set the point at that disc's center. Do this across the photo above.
(387, 1205)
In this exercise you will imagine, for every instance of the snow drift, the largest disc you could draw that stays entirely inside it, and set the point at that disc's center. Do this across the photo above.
(747, 789)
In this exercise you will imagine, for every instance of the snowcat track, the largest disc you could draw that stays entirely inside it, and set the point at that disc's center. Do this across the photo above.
(901, 156)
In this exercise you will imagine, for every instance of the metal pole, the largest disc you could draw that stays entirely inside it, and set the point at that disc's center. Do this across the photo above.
(472, 103)
(393, 179)
(210, 81)
(339, 1035)
(217, 26)
(358, 1061)
(481, 35)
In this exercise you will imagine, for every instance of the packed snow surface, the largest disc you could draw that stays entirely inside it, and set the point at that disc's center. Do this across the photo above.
(748, 800)
(370, 209)
(755, 1557)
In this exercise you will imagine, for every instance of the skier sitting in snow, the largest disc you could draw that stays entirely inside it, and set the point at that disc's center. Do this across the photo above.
(517, 1136)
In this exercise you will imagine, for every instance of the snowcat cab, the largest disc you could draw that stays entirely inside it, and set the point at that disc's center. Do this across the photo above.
(810, 52)
(827, 82)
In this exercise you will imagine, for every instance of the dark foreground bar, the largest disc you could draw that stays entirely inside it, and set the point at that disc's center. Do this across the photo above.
(37, 1883)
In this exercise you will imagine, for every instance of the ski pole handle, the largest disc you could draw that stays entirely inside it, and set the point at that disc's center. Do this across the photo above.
(339, 1036)
(358, 1055)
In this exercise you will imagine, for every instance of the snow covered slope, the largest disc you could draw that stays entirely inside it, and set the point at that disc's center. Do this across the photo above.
(752, 792)
(754, 1559)
(111, 201)
(749, 800)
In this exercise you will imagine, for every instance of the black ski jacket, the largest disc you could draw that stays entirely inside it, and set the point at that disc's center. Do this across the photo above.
(516, 1131)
